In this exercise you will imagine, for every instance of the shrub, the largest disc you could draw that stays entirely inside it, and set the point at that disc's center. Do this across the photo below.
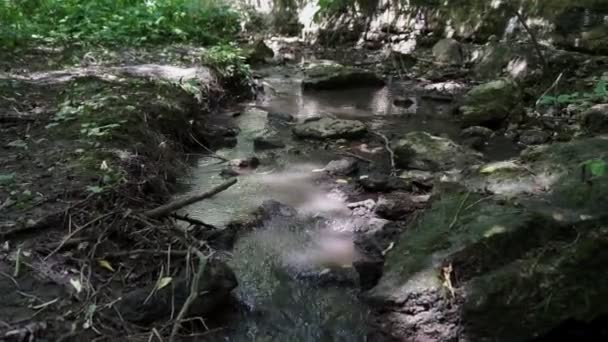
(116, 21)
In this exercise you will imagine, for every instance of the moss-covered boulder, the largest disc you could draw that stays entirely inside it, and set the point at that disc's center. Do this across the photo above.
(423, 151)
(330, 76)
(327, 128)
(448, 51)
(490, 104)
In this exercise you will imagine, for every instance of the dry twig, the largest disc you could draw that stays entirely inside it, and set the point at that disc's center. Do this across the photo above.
(170, 207)
(387, 145)
(194, 287)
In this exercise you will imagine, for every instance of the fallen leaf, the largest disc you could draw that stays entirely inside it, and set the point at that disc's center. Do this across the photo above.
(76, 284)
(105, 264)
(341, 181)
(162, 282)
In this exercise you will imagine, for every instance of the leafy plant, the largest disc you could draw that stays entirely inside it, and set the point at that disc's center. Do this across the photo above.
(599, 94)
(116, 21)
(230, 62)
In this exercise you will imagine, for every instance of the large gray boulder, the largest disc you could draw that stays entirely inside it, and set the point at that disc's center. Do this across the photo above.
(327, 128)
(335, 76)
(448, 51)
(490, 104)
(426, 152)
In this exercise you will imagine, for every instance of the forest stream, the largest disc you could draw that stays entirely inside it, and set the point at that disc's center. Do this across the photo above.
(281, 302)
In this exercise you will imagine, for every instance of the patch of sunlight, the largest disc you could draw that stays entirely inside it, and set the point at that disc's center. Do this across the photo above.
(517, 67)
(558, 216)
(507, 165)
(497, 229)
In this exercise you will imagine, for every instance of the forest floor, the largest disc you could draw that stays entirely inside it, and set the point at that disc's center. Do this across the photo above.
(89, 142)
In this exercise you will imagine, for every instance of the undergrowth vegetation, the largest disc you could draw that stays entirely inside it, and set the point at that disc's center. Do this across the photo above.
(116, 21)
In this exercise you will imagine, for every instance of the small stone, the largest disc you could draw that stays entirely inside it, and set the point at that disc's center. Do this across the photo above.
(394, 206)
(342, 167)
(534, 137)
(267, 140)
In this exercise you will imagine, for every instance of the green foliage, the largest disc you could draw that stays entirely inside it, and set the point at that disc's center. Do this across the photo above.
(581, 99)
(230, 62)
(116, 21)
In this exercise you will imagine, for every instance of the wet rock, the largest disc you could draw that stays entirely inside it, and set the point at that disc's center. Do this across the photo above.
(259, 52)
(266, 140)
(326, 128)
(280, 117)
(448, 51)
(490, 104)
(216, 283)
(362, 208)
(341, 167)
(240, 166)
(418, 177)
(596, 119)
(422, 151)
(404, 102)
(381, 182)
(336, 76)
(477, 131)
(534, 137)
(476, 136)
(273, 209)
(395, 206)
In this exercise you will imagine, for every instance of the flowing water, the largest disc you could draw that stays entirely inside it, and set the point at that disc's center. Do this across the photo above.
(277, 306)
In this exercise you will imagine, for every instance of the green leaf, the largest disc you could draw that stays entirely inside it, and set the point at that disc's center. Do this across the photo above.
(7, 178)
(597, 167)
(94, 189)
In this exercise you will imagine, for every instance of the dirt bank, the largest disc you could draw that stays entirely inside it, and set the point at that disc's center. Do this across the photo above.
(87, 149)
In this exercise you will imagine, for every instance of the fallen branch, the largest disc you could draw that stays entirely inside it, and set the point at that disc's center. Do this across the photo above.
(211, 153)
(194, 288)
(387, 145)
(145, 251)
(535, 43)
(168, 208)
(192, 221)
(553, 86)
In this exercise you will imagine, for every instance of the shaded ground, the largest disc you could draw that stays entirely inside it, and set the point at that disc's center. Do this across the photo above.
(85, 149)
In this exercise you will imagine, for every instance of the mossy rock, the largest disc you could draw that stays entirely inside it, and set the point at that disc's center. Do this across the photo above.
(423, 151)
(490, 104)
(531, 296)
(331, 76)
(327, 128)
